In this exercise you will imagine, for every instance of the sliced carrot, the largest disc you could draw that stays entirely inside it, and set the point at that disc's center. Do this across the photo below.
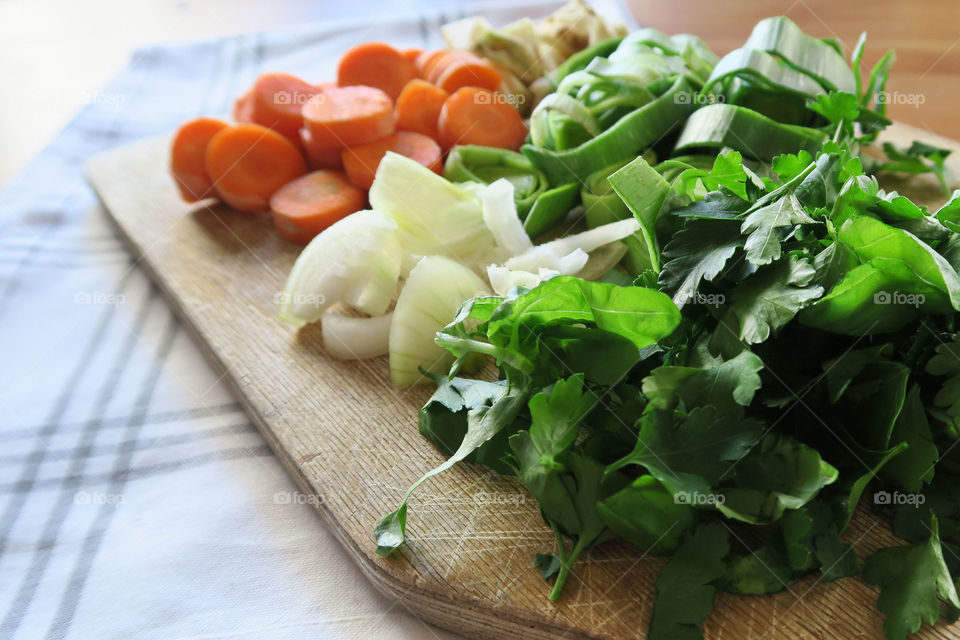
(361, 162)
(477, 116)
(278, 99)
(438, 65)
(243, 108)
(308, 205)
(188, 158)
(375, 64)
(319, 157)
(347, 116)
(249, 162)
(426, 60)
(418, 107)
(469, 73)
(411, 55)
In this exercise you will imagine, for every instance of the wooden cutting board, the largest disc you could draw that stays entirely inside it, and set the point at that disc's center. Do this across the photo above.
(350, 439)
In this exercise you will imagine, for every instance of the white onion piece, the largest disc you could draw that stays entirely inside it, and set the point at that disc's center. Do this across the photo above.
(586, 241)
(347, 338)
(500, 216)
(430, 298)
(355, 260)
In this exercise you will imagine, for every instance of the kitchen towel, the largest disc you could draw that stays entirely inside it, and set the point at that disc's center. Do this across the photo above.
(137, 499)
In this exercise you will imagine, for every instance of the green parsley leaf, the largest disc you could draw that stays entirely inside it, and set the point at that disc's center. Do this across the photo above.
(910, 579)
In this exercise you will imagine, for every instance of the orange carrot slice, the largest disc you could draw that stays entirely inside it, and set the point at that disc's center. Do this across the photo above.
(319, 157)
(411, 55)
(468, 73)
(375, 64)
(439, 65)
(418, 107)
(249, 162)
(426, 60)
(308, 205)
(243, 108)
(346, 116)
(477, 116)
(361, 162)
(278, 99)
(188, 158)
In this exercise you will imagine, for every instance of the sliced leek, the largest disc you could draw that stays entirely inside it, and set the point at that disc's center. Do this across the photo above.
(629, 136)
(752, 134)
(816, 58)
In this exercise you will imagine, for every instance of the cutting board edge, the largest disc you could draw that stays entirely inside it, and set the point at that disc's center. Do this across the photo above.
(420, 602)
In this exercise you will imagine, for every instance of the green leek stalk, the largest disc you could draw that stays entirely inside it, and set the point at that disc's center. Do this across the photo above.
(602, 205)
(472, 163)
(629, 136)
(752, 134)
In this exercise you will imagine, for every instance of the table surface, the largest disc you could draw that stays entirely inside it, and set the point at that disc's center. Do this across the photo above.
(67, 65)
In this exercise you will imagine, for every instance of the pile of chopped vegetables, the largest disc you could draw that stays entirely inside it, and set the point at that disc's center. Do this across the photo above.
(778, 345)
(710, 324)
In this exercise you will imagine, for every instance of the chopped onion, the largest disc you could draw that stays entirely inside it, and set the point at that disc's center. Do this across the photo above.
(500, 215)
(348, 338)
(356, 260)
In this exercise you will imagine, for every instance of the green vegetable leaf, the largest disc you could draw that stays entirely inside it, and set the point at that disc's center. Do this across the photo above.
(640, 315)
(758, 572)
(643, 190)
(946, 362)
(443, 419)
(837, 559)
(916, 159)
(690, 454)
(769, 299)
(859, 305)
(914, 466)
(780, 473)
(548, 564)
(483, 423)
(906, 259)
(716, 205)
(555, 418)
(790, 165)
(727, 385)
(647, 515)
(911, 580)
(698, 252)
(949, 213)
(837, 107)
(685, 592)
(767, 226)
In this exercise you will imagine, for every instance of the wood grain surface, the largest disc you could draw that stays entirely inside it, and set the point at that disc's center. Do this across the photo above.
(350, 438)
